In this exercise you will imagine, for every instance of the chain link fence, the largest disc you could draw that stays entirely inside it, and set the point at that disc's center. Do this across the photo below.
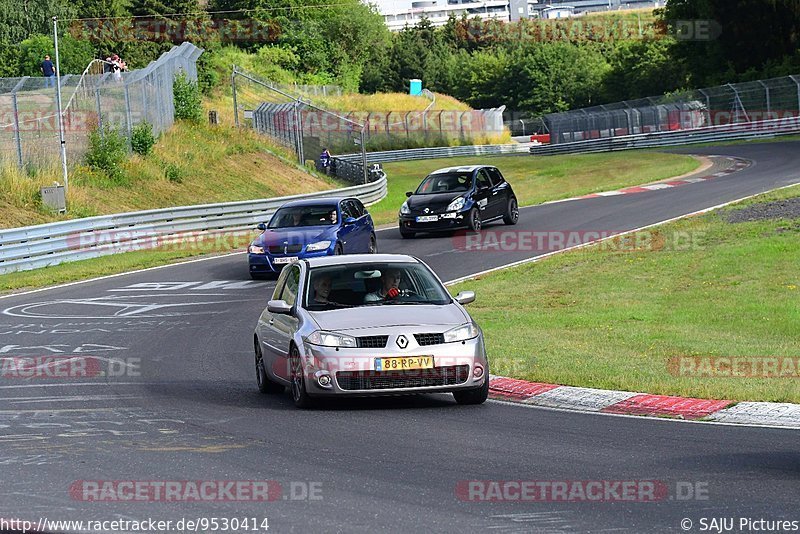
(730, 104)
(29, 125)
(305, 129)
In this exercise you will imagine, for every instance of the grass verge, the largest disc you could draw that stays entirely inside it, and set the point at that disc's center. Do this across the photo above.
(537, 180)
(613, 319)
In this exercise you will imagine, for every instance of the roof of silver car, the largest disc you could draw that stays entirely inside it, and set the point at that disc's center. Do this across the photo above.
(349, 259)
(464, 168)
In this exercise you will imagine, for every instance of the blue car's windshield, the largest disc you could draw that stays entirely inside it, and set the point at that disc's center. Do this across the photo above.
(292, 217)
(371, 284)
(445, 183)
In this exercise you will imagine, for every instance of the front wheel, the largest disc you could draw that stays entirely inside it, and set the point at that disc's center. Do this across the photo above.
(473, 396)
(512, 212)
(338, 250)
(474, 220)
(299, 394)
(373, 244)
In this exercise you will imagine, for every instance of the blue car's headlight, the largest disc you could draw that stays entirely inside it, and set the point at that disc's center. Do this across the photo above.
(255, 249)
(319, 245)
(456, 205)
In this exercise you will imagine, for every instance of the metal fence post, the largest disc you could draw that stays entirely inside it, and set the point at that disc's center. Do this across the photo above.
(128, 116)
(99, 111)
(17, 137)
(235, 103)
(299, 130)
(766, 93)
(363, 155)
(794, 79)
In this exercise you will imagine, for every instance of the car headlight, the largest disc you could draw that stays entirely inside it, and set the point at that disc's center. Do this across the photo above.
(404, 209)
(456, 204)
(255, 249)
(319, 245)
(461, 333)
(330, 339)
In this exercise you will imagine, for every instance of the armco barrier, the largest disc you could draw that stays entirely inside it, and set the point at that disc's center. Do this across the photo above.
(439, 152)
(732, 132)
(32, 247)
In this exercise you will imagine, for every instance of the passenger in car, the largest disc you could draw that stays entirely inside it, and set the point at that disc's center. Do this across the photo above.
(322, 289)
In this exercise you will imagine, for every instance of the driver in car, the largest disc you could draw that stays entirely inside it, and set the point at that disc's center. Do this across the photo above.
(390, 282)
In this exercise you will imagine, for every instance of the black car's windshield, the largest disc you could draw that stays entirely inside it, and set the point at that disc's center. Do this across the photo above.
(372, 284)
(456, 182)
(290, 217)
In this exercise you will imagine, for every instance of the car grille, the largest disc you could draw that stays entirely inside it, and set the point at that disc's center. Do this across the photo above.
(290, 249)
(372, 342)
(429, 339)
(438, 376)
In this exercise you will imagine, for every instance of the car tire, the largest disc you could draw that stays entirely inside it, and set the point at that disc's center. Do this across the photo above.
(474, 220)
(405, 234)
(299, 394)
(473, 396)
(373, 244)
(338, 250)
(265, 385)
(512, 212)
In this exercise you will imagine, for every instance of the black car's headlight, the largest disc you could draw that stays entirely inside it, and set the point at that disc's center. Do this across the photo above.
(457, 204)
(404, 209)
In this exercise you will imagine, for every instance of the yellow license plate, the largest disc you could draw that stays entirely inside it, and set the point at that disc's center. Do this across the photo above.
(404, 363)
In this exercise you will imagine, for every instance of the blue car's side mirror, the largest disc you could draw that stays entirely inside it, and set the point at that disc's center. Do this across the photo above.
(349, 220)
(261, 226)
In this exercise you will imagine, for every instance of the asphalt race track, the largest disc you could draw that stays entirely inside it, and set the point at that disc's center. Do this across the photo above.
(184, 407)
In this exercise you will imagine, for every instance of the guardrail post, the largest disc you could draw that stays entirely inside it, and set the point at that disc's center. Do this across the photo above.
(17, 137)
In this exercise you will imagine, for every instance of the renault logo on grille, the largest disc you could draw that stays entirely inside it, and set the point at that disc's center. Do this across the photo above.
(427, 210)
(402, 341)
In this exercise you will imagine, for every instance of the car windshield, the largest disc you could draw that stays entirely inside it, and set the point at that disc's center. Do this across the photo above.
(372, 284)
(290, 217)
(456, 182)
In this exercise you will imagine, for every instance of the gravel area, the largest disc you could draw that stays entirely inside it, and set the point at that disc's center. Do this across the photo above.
(779, 209)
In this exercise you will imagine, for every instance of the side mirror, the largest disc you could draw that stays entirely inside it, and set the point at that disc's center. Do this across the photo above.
(465, 297)
(280, 307)
(261, 226)
(348, 221)
(409, 193)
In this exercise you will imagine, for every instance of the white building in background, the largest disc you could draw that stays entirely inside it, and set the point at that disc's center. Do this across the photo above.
(399, 13)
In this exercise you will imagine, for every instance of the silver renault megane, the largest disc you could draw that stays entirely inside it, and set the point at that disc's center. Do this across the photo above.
(366, 325)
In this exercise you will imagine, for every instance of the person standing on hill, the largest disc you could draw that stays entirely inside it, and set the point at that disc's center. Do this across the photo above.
(48, 71)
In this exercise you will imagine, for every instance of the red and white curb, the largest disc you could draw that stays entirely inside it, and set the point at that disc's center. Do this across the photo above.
(735, 165)
(644, 404)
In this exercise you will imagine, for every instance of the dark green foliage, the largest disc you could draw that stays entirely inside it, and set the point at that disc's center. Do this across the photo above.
(75, 55)
(108, 150)
(187, 100)
(142, 138)
(173, 173)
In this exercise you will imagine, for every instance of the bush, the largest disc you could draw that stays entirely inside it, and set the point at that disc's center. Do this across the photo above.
(173, 173)
(142, 138)
(186, 95)
(108, 150)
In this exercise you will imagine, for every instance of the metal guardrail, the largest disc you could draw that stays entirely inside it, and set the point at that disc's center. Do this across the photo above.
(732, 132)
(33, 247)
(439, 152)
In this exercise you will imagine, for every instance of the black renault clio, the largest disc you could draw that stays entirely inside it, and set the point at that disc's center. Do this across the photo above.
(458, 197)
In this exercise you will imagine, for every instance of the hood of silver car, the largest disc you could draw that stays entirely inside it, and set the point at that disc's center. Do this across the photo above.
(389, 315)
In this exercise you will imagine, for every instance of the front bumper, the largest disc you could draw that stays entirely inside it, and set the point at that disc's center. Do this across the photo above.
(444, 222)
(352, 370)
(265, 263)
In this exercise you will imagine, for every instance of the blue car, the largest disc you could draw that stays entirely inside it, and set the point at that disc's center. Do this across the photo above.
(311, 228)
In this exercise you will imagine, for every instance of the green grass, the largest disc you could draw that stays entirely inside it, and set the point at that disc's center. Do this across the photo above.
(613, 319)
(207, 164)
(539, 179)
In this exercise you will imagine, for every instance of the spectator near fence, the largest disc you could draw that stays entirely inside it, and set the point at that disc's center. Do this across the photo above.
(48, 71)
